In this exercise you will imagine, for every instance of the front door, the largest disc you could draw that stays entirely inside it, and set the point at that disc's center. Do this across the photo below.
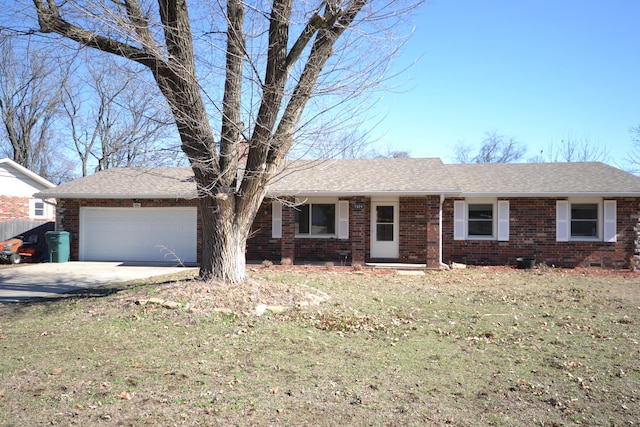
(384, 229)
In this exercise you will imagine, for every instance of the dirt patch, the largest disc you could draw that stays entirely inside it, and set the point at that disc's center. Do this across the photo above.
(205, 298)
(252, 297)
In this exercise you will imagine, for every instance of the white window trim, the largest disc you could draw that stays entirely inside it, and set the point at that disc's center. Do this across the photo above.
(563, 219)
(32, 209)
(461, 219)
(338, 221)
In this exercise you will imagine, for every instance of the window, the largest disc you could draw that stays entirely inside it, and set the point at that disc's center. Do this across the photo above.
(319, 218)
(478, 219)
(584, 220)
(316, 219)
(384, 223)
(38, 208)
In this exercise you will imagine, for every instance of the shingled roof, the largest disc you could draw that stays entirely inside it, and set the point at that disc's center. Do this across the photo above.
(544, 179)
(364, 177)
(129, 183)
(371, 177)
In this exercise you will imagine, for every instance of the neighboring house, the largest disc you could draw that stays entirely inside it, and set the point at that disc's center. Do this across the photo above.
(17, 187)
(416, 211)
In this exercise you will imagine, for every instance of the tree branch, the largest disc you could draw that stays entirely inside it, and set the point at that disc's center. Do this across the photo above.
(51, 21)
(231, 102)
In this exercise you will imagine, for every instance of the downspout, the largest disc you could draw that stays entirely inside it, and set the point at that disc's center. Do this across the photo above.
(442, 264)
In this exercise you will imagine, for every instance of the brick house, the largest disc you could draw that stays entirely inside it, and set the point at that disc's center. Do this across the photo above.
(17, 187)
(417, 211)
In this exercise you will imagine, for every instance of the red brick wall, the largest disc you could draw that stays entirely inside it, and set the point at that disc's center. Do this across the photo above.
(433, 232)
(413, 229)
(419, 236)
(14, 208)
(532, 224)
(532, 231)
(359, 229)
(261, 246)
(68, 214)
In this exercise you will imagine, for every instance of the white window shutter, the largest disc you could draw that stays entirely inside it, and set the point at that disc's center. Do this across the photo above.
(276, 219)
(343, 219)
(459, 220)
(503, 220)
(563, 221)
(610, 221)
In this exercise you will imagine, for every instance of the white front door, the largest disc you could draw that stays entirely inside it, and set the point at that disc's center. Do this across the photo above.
(384, 229)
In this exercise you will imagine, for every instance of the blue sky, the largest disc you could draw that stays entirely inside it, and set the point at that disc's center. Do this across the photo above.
(540, 71)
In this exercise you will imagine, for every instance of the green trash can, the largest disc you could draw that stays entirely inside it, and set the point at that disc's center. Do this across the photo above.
(59, 243)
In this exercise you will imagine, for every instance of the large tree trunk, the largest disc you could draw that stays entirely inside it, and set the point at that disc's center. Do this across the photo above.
(226, 223)
(223, 242)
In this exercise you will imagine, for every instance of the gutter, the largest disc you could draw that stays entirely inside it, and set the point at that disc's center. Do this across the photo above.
(351, 193)
(554, 194)
(114, 196)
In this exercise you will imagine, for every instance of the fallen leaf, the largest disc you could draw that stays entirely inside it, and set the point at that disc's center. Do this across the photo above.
(125, 396)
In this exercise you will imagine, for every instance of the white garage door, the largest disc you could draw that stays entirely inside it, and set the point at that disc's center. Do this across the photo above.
(138, 234)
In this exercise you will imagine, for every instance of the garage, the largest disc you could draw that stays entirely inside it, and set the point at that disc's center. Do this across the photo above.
(138, 234)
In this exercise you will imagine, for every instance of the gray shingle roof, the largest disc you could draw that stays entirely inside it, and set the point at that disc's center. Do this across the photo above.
(125, 183)
(544, 179)
(363, 177)
(374, 177)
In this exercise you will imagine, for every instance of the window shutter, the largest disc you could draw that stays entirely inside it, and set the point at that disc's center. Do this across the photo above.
(503, 220)
(343, 219)
(459, 220)
(610, 221)
(563, 221)
(276, 219)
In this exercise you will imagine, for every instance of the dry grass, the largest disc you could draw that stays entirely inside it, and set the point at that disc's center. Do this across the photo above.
(468, 347)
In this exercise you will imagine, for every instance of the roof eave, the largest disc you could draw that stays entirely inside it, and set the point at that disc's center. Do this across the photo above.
(115, 196)
(402, 193)
(32, 175)
(553, 194)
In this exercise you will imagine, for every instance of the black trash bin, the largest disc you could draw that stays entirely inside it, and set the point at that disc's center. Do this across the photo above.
(59, 243)
(526, 262)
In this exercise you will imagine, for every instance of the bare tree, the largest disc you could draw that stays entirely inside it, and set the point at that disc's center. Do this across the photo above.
(115, 122)
(30, 99)
(278, 55)
(573, 149)
(633, 156)
(495, 148)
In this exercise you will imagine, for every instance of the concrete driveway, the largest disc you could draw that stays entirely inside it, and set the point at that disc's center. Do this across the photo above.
(47, 280)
